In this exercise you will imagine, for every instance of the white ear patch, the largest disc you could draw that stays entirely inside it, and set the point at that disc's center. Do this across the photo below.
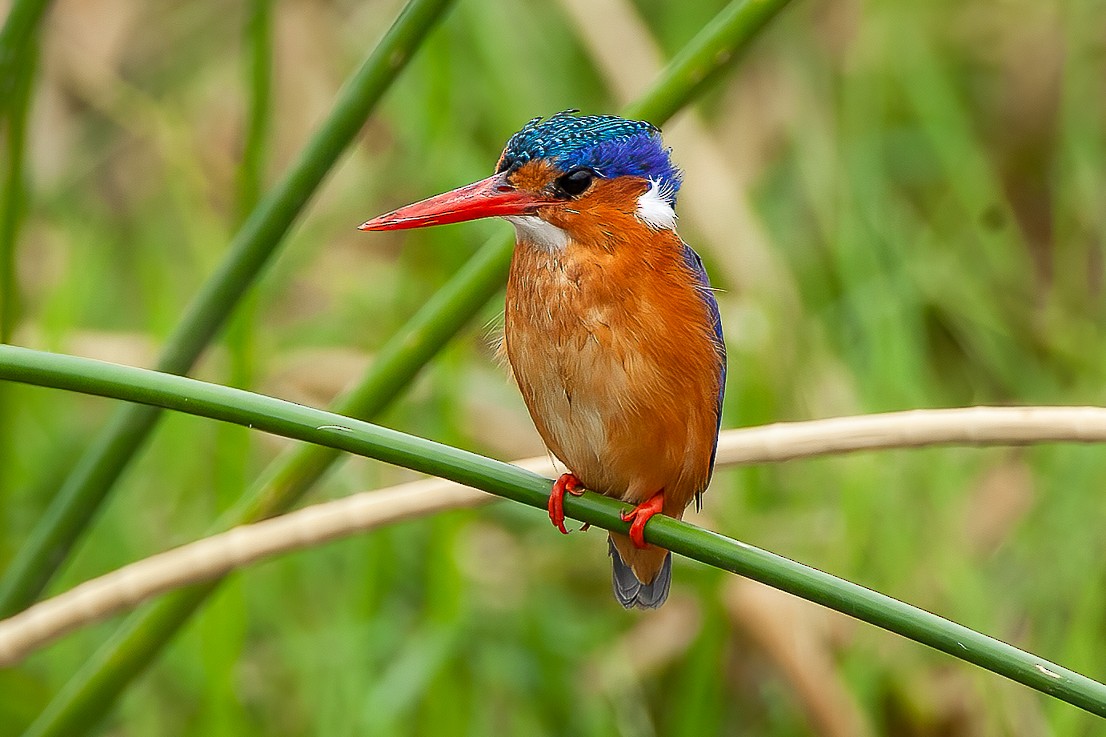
(532, 229)
(653, 208)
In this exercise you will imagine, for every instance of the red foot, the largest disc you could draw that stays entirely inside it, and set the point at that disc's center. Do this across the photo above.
(640, 515)
(566, 483)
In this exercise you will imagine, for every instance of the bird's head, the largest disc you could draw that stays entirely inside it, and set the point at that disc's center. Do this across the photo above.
(566, 178)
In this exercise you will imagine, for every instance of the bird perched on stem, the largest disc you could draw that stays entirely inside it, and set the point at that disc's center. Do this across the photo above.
(610, 326)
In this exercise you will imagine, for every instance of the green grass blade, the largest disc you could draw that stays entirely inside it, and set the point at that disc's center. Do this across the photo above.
(15, 189)
(23, 18)
(259, 83)
(12, 210)
(90, 481)
(355, 436)
(223, 713)
(231, 473)
(94, 688)
(280, 417)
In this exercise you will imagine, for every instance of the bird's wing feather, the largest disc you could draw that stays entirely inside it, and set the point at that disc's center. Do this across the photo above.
(695, 263)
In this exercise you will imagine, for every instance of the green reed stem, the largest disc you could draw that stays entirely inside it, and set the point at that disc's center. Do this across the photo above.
(259, 84)
(14, 194)
(511, 482)
(13, 206)
(23, 20)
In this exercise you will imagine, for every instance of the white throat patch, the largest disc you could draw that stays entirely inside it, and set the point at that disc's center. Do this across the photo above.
(532, 229)
(653, 208)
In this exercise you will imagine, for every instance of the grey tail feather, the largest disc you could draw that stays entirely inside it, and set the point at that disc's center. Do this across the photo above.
(631, 592)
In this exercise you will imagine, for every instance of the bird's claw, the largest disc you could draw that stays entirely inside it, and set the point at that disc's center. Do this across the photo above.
(566, 483)
(639, 515)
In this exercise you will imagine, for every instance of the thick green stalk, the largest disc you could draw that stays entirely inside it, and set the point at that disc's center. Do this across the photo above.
(87, 485)
(372, 441)
(259, 85)
(230, 467)
(22, 21)
(12, 205)
(93, 689)
(12, 210)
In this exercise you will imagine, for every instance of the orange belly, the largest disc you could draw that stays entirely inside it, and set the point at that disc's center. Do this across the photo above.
(620, 375)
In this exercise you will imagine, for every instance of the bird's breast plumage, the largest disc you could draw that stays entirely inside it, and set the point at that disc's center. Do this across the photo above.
(617, 361)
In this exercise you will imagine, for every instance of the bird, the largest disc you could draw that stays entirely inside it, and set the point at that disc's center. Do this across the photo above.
(610, 326)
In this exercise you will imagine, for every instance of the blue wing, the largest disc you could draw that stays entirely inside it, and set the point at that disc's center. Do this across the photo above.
(696, 265)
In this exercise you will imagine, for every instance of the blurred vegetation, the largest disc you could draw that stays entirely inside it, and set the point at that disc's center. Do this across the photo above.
(919, 224)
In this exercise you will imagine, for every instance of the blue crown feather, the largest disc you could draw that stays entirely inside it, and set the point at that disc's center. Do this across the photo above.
(611, 146)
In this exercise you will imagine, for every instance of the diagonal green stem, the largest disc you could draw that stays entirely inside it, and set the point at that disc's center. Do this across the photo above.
(89, 482)
(93, 689)
(355, 436)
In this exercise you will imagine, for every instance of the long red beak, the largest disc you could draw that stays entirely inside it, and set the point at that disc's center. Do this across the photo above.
(491, 197)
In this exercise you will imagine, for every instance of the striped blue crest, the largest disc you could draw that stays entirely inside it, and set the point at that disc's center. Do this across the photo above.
(609, 145)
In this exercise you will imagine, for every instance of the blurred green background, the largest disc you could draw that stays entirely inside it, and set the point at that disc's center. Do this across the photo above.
(903, 205)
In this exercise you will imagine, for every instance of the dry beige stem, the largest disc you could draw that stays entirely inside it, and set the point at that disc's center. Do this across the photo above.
(916, 428)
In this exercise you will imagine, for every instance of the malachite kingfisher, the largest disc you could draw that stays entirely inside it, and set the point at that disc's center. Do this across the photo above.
(610, 326)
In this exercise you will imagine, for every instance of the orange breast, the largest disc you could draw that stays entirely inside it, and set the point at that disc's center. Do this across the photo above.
(614, 354)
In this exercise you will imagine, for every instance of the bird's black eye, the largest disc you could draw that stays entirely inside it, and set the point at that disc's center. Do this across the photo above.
(575, 182)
